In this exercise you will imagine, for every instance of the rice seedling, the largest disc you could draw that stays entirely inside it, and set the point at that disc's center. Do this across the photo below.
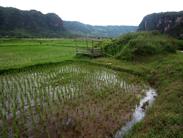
(62, 99)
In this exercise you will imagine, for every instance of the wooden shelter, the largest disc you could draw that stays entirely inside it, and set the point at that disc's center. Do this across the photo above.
(91, 51)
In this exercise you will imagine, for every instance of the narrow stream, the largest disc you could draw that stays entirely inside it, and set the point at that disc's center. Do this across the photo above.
(139, 112)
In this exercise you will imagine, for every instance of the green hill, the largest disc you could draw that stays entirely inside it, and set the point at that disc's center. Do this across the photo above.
(78, 28)
(18, 23)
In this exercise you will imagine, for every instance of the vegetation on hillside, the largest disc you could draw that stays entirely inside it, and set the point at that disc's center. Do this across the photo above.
(135, 46)
(18, 23)
(81, 29)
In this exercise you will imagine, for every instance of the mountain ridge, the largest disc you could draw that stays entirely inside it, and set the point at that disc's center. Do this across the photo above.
(33, 23)
(77, 28)
(15, 22)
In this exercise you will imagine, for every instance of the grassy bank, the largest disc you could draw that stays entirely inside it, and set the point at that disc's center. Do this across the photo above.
(165, 73)
(153, 55)
(165, 117)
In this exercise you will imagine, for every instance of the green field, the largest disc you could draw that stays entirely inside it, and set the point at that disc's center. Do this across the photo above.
(58, 95)
(16, 53)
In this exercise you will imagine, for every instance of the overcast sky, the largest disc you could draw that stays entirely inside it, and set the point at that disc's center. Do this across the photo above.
(98, 12)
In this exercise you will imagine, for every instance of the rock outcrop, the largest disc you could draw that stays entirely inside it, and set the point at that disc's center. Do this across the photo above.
(166, 22)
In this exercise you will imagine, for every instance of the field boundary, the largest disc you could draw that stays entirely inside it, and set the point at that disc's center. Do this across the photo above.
(21, 69)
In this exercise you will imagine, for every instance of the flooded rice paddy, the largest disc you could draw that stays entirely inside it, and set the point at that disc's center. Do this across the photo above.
(72, 100)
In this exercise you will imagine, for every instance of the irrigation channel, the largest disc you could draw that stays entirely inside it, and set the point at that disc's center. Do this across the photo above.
(139, 112)
(70, 100)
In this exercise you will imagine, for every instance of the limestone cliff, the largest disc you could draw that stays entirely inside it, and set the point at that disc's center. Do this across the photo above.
(166, 22)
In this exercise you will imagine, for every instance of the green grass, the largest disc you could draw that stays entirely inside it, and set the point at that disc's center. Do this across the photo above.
(165, 73)
(16, 53)
(165, 118)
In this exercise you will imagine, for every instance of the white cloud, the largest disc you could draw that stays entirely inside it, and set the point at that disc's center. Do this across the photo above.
(98, 12)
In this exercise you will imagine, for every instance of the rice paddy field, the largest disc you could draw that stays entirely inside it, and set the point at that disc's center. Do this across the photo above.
(70, 100)
(67, 99)
(46, 92)
(16, 53)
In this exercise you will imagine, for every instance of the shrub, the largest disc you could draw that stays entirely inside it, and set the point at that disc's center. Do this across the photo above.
(179, 44)
(133, 46)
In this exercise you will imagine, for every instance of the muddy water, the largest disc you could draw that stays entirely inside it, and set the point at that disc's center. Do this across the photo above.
(139, 112)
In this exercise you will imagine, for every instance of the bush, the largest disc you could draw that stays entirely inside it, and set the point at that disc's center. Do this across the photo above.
(133, 46)
(179, 45)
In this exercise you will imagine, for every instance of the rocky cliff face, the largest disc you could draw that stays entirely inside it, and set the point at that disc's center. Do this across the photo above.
(167, 22)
